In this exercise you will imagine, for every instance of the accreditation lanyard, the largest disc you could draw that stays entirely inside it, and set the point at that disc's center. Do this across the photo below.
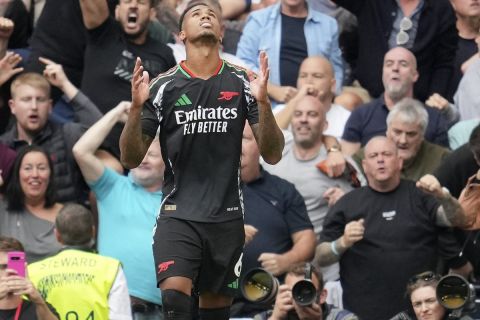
(17, 313)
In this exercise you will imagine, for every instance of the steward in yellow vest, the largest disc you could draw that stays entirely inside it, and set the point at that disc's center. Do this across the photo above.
(76, 283)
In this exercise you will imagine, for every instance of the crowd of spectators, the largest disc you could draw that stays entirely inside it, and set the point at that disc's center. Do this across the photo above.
(380, 108)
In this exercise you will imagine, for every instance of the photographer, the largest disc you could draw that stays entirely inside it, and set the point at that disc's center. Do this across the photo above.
(287, 308)
(421, 291)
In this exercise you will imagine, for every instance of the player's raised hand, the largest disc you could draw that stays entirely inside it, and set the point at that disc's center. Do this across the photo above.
(140, 85)
(259, 82)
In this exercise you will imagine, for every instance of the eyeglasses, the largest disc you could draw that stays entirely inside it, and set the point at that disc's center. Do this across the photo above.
(425, 276)
(402, 36)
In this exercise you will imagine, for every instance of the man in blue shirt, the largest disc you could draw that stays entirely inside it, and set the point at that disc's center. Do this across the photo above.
(128, 207)
(289, 32)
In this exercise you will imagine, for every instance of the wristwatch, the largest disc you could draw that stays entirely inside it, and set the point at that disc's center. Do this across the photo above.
(335, 148)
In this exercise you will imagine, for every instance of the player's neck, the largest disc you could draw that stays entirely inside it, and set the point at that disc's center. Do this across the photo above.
(203, 61)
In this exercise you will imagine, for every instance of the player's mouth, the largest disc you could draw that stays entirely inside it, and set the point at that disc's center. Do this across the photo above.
(206, 24)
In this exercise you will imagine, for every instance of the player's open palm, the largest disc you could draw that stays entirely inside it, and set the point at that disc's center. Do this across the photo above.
(258, 83)
(140, 85)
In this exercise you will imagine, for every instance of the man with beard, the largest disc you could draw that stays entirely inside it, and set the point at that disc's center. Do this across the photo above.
(399, 76)
(112, 46)
(200, 107)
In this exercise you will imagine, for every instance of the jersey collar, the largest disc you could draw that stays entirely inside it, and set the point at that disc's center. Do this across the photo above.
(188, 73)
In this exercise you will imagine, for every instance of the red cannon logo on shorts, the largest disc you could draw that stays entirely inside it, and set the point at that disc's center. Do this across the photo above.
(227, 95)
(164, 265)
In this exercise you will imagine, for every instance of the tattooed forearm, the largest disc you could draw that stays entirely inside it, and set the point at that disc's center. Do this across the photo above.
(324, 255)
(450, 213)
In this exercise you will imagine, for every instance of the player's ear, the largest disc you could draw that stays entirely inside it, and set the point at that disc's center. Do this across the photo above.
(182, 35)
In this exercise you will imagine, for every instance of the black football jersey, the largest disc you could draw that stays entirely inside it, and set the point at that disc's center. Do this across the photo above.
(201, 126)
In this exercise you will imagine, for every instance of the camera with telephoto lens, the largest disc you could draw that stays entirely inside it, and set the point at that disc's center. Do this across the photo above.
(457, 295)
(260, 286)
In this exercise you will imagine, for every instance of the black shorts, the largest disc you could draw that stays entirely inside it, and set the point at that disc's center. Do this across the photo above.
(208, 253)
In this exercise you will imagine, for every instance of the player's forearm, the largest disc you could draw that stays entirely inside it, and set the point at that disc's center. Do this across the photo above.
(271, 141)
(325, 256)
(132, 148)
(284, 117)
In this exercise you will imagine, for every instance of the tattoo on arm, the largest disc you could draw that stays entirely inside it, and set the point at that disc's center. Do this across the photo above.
(325, 256)
(450, 213)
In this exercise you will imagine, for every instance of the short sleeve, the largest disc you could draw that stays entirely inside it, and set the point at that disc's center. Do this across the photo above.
(103, 32)
(104, 185)
(429, 204)
(150, 119)
(334, 223)
(353, 127)
(296, 214)
(252, 106)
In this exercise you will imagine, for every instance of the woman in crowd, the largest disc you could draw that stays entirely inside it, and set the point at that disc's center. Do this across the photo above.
(421, 290)
(28, 210)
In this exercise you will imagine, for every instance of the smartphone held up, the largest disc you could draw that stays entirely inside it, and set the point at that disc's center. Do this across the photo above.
(16, 261)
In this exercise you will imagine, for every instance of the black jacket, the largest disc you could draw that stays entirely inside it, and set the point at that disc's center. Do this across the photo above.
(434, 47)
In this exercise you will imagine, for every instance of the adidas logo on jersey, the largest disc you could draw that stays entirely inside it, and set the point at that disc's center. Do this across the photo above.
(233, 285)
(183, 101)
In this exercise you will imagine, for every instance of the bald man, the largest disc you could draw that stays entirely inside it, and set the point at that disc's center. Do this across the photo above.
(399, 76)
(316, 78)
(386, 232)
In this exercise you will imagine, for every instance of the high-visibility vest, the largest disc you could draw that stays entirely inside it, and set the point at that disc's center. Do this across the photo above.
(76, 283)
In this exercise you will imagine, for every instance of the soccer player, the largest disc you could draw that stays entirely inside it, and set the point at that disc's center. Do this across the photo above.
(201, 106)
